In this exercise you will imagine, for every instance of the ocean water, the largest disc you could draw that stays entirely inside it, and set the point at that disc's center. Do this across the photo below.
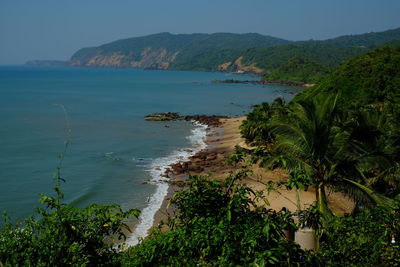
(112, 148)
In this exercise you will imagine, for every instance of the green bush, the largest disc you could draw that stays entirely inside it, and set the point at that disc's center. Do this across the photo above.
(63, 235)
(364, 239)
(218, 224)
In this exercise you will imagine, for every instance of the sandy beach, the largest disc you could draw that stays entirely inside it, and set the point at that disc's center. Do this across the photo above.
(221, 142)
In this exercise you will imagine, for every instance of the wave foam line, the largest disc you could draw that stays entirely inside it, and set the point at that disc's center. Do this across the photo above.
(157, 169)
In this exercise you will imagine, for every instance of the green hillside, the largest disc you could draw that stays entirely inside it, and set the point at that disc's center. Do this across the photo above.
(152, 50)
(249, 53)
(370, 40)
(327, 54)
(298, 69)
(270, 58)
(274, 59)
(371, 78)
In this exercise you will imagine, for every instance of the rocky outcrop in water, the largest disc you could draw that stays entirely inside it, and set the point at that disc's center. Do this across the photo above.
(166, 116)
(266, 82)
(212, 121)
(209, 120)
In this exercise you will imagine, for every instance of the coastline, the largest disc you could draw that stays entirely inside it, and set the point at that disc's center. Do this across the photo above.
(220, 141)
(263, 82)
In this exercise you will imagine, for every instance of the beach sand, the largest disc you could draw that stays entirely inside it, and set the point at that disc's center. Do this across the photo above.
(221, 142)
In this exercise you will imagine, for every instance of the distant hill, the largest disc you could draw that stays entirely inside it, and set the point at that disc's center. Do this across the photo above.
(158, 51)
(248, 53)
(368, 40)
(327, 53)
(371, 78)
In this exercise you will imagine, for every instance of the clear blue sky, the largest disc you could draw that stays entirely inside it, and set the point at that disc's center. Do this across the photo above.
(55, 29)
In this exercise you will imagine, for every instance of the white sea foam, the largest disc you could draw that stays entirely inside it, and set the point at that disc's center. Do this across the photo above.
(157, 169)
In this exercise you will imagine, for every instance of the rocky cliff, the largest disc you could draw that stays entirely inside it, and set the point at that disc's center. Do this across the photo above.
(148, 58)
(168, 51)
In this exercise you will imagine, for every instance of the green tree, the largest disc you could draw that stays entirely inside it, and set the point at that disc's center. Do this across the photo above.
(311, 141)
(256, 128)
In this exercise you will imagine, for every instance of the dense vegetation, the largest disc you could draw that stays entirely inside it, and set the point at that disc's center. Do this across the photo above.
(63, 235)
(372, 78)
(364, 239)
(372, 39)
(298, 69)
(218, 224)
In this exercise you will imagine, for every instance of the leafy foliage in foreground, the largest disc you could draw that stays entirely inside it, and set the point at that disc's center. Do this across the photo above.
(64, 236)
(364, 239)
(218, 224)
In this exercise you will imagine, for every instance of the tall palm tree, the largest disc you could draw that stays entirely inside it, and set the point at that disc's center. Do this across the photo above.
(311, 140)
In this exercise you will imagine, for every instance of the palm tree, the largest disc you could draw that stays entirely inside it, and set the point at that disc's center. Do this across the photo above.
(255, 128)
(376, 133)
(310, 140)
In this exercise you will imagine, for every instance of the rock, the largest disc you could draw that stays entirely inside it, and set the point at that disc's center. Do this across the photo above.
(177, 183)
(212, 121)
(202, 155)
(177, 168)
(194, 168)
(265, 82)
(166, 116)
(211, 156)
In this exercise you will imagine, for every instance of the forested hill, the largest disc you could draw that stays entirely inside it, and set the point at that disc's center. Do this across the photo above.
(276, 59)
(369, 79)
(371, 40)
(160, 50)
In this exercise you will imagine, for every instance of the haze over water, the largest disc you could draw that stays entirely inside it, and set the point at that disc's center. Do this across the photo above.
(112, 148)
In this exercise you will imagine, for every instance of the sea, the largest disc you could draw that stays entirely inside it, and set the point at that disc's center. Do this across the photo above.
(113, 156)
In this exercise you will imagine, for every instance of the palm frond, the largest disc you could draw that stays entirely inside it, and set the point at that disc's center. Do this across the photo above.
(370, 194)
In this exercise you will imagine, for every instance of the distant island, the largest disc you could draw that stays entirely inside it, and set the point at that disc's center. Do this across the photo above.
(274, 59)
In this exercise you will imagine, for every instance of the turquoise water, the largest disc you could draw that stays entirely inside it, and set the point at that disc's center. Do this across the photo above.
(112, 148)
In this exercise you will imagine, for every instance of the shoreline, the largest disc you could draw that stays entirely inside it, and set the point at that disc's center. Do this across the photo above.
(157, 169)
(262, 82)
(221, 139)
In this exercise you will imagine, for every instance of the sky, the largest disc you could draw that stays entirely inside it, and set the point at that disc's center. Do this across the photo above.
(55, 29)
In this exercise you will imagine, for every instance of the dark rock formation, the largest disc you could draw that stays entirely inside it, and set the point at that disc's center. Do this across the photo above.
(264, 82)
(167, 116)
(212, 121)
